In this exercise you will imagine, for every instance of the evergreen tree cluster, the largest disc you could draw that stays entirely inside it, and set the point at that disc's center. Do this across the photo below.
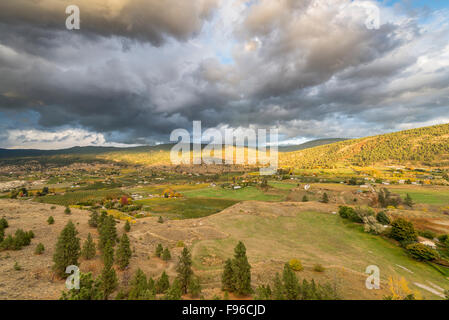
(237, 272)
(18, 241)
(288, 287)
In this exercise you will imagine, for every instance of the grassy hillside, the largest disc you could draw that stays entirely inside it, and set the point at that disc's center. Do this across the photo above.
(309, 144)
(427, 146)
(280, 233)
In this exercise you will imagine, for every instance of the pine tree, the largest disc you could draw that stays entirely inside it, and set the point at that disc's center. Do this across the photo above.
(67, 249)
(160, 220)
(93, 221)
(174, 292)
(162, 284)
(241, 270)
(89, 289)
(108, 276)
(88, 252)
(194, 287)
(140, 288)
(290, 283)
(108, 232)
(67, 210)
(227, 277)
(123, 252)
(305, 198)
(184, 269)
(159, 250)
(278, 288)
(325, 198)
(409, 201)
(127, 226)
(166, 255)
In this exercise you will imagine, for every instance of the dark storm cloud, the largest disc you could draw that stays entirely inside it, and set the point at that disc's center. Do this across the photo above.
(312, 68)
(145, 20)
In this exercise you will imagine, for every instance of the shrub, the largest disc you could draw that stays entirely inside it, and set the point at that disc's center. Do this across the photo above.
(166, 255)
(159, 250)
(3, 223)
(403, 230)
(127, 226)
(427, 234)
(295, 265)
(383, 218)
(422, 252)
(318, 268)
(67, 210)
(17, 266)
(50, 220)
(350, 214)
(325, 198)
(180, 244)
(160, 220)
(39, 249)
(305, 199)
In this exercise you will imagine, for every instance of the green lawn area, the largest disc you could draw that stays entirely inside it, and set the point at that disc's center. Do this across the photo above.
(314, 238)
(435, 197)
(248, 193)
(186, 208)
(283, 185)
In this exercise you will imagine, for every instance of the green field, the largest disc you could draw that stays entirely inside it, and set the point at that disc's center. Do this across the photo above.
(315, 238)
(185, 208)
(248, 193)
(430, 196)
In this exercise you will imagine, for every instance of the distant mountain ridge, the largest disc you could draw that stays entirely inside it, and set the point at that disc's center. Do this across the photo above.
(92, 150)
(428, 146)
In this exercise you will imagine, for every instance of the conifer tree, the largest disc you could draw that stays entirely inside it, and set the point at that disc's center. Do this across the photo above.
(159, 250)
(108, 276)
(166, 255)
(278, 288)
(140, 288)
(123, 252)
(241, 270)
(409, 201)
(174, 292)
(93, 221)
(162, 283)
(67, 210)
(67, 249)
(227, 278)
(325, 198)
(108, 232)
(127, 226)
(194, 287)
(305, 198)
(290, 283)
(184, 269)
(89, 289)
(88, 252)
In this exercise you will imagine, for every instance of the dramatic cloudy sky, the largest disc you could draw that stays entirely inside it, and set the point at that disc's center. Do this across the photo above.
(137, 69)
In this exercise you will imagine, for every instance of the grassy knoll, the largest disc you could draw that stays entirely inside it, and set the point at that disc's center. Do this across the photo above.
(185, 208)
(315, 238)
(248, 193)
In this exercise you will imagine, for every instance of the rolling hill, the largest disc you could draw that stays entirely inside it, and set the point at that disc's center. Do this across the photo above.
(428, 146)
